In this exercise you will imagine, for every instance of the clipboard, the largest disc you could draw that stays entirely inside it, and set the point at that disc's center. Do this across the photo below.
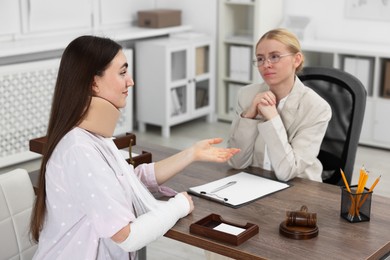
(238, 190)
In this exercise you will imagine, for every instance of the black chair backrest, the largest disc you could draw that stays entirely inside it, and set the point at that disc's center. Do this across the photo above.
(347, 97)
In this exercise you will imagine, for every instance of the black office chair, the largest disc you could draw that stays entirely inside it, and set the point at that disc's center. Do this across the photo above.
(347, 97)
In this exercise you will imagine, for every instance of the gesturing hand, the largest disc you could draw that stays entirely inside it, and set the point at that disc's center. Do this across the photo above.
(205, 151)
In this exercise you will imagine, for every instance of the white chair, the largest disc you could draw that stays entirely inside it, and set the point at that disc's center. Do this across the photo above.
(16, 201)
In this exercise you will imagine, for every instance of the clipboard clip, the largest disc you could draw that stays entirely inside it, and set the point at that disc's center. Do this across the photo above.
(217, 197)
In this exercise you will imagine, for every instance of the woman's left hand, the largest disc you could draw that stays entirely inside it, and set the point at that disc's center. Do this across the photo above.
(200, 151)
(267, 111)
(205, 151)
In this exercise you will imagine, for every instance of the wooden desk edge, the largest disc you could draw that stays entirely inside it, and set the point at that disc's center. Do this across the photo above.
(210, 245)
(383, 251)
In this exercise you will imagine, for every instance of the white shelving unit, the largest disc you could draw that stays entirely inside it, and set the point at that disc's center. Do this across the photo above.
(241, 24)
(174, 80)
(368, 62)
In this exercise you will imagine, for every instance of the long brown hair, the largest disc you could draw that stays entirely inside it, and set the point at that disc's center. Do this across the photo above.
(83, 58)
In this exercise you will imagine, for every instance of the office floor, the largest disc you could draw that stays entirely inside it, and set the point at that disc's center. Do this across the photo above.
(182, 136)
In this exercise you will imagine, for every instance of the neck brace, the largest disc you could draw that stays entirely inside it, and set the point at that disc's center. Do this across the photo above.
(101, 117)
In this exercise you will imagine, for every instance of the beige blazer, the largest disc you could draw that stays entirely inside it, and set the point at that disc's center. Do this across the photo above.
(293, 138)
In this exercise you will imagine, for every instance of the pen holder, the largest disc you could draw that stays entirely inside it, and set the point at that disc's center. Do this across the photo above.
(355, 207)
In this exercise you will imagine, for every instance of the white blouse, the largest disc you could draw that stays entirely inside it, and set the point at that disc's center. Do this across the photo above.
(267, 162)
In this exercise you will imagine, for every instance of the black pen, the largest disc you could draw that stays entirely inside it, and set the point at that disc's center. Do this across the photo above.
(224, 186)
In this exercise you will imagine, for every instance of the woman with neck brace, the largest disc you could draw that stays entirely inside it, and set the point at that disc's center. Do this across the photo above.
(91, 204)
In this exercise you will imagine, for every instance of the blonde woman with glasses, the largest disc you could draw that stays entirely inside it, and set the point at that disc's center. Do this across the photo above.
(279, 124)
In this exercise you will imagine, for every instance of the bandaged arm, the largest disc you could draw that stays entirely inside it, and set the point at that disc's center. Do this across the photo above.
(155, 223)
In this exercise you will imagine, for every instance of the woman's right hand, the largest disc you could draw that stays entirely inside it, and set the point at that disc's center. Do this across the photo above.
(189, 198)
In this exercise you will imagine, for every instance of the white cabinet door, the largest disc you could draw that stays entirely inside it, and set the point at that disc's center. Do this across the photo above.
(9, 17)
(191, 77)
(202, 96)
(174, 81)
(50, 15)
(178, 83)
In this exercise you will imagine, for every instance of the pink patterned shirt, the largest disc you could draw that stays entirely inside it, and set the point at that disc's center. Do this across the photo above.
(89, 199)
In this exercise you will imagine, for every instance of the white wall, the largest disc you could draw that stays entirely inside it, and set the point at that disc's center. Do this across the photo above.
(328, 17)
(9, 20)
(202, 15)
(329, 21)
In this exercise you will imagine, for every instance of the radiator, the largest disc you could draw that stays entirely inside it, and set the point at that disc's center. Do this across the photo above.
(26, 91)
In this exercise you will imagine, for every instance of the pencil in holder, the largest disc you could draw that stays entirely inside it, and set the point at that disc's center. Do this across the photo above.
(355, 207)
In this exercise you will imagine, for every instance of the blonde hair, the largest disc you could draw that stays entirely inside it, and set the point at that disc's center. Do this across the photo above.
(287, 38)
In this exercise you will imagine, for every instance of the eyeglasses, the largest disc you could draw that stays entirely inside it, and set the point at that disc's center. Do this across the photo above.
(273, 58)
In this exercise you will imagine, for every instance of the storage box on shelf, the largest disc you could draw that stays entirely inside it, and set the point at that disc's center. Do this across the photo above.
(159, 18)
(241, 24)
(369, 63)
(174, 80)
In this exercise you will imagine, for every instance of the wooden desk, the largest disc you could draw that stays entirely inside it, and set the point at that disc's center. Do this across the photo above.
(337, 238)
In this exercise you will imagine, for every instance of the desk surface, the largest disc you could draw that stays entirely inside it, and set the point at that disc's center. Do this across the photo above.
(337, 238)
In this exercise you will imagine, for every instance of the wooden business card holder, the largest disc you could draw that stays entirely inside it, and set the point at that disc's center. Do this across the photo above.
(205, 227)
(128, 140)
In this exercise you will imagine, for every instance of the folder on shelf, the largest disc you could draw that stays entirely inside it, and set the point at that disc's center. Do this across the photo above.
(361, 68)
(238, 190)
(232, 96)
(350, 65)
(240, 63)
(201, 99)
(201, 60)
(175, 104)
(386, 83)
(245, 63)
(234, 62)
(363, 72)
